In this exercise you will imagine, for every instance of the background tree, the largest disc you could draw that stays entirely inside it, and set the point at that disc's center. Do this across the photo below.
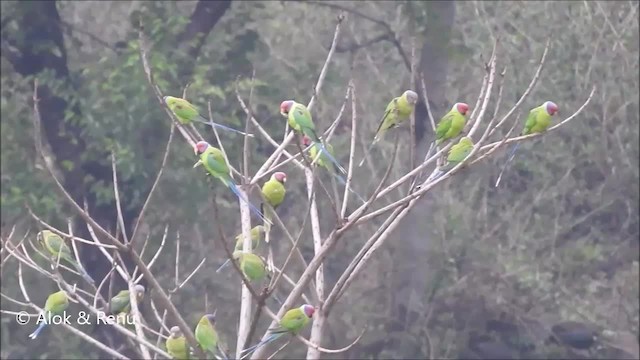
(556, 240)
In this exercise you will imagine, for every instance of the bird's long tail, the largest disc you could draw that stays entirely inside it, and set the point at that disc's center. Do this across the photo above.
(375, 141)
(331, 158)
(342, 181)
(274, 336)
(512, 154)
(83, 272)
(34, 334)
(223, 127)
(224, 265)
(436, 174)
(255, 210)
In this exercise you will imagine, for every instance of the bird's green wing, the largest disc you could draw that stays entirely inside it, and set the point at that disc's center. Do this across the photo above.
(389, 117)
(214, 162)
(206, 335)
(57, 302)
(531, 121)
(444, 125)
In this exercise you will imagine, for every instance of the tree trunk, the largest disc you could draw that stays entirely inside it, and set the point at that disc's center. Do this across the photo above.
(410, 274)
(40, 47)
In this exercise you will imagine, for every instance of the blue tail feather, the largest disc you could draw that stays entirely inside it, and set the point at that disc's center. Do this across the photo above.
(510, 157)
(224, 265)
(330, 157)
(251, 349)
(35, 334)
(254, 209)
(342, 181)
(205, 121)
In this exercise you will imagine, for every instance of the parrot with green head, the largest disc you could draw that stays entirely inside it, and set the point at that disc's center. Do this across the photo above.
(56, 304)
(457, 154)
(207, 336)
(292, 322)
(214, 162)
(299, 119)
(398, 110)
(451, 123)
(187, 113)
(325, 163)
(121, 302)
(256, 233)
(54, 244)
(177, 345)
(538, 121)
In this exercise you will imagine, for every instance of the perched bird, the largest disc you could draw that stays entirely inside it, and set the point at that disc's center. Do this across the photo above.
(457, 154)
(122, 303)
(55, 245)
(187, 113)
(256, 233)
(451, 123)
(398, 110)
(252, 265)
(292, 322)
(273, 191)
(325, 163)
(538, 120)
(299, 119)
(214, 162)
(207, 336)
(56, 304)
(177, 344)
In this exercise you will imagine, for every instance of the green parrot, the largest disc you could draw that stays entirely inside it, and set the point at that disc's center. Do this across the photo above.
(398, 110)
(214, 162)
(54, 244)
(292, 322)
(207, 336)
(121, 302)
(177, 344)
(457, 153)
(256, 233)
(56, 304)
(252, 265)
(325, 163)
(299, 119)
(187, 113)
(451, 123)
(538, 120)
(273, 191)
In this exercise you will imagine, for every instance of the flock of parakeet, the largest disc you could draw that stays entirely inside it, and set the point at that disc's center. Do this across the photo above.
(273, 192)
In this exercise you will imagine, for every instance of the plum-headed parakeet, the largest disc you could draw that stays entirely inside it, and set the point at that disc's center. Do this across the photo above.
(398, 110)
(451, 123)
(273, 191)
(299, 119)
(214, 162)
(325, 163)
(457, 153)
(56, 304)
(538, 120)
(54, 244)
(121, 301)
(177, 344)
(252, 265)
(292, 322)
(207, 336)
(187, 113)
(256, 233)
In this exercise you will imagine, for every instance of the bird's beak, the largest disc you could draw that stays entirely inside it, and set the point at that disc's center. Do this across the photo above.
(198, 163)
